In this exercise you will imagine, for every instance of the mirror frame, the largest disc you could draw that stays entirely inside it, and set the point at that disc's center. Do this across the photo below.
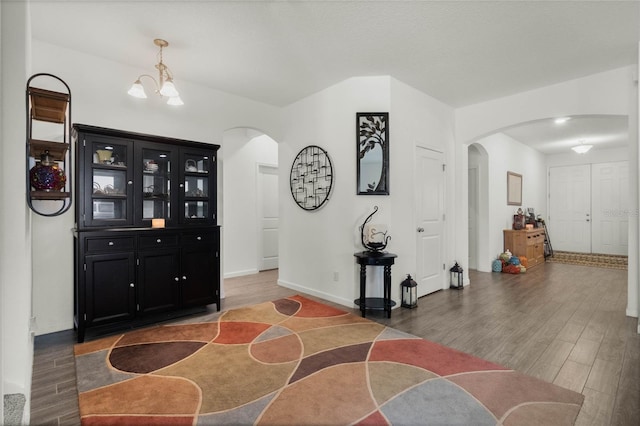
(514, 189)
(373, 128)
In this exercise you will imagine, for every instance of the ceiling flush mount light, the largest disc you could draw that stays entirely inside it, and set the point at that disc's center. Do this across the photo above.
(582, 148)
(163, 85)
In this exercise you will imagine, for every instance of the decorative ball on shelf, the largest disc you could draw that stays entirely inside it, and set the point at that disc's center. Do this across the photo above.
(514, 261)
(46, 175)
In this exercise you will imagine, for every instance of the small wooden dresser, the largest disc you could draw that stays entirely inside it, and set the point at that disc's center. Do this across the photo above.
(526, 242)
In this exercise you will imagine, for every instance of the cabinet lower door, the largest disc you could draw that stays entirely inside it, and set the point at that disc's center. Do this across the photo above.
(110, 288)
(158, 276)
(199, 285)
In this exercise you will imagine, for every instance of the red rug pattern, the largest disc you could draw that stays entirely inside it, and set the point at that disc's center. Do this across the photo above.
(295, 361)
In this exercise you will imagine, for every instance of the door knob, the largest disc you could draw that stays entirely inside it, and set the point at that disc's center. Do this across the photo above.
(420, 229)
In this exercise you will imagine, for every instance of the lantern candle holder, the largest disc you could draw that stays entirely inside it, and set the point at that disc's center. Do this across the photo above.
(409, 293)
(456, 279)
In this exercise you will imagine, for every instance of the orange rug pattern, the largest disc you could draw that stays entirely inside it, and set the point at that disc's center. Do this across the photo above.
(295, 361)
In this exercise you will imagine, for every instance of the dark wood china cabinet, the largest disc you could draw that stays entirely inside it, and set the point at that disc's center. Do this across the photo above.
(147, 244)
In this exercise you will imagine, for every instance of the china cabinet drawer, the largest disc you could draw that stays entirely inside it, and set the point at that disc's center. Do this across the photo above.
(158, 241)
(198, 238)
(109, 244)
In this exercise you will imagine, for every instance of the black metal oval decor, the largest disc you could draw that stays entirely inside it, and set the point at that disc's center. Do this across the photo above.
(311, 177)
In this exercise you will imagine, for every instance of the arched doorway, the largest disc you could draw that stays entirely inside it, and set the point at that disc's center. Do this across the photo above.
(249, 163)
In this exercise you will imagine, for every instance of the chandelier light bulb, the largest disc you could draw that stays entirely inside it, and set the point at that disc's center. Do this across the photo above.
(169, 89)
(175, 100)
(137, 90)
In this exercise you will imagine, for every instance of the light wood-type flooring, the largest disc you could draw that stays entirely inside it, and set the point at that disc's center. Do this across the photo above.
(562, 323)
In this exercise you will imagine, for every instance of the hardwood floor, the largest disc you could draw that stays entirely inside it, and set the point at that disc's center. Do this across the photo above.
(562, 323)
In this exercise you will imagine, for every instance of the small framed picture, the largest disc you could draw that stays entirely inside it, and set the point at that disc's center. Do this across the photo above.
(514, 189)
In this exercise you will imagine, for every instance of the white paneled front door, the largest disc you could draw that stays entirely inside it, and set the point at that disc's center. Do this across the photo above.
(268, 217)
(588, 208)
(570, 208)
(610, 207)
(430, 215)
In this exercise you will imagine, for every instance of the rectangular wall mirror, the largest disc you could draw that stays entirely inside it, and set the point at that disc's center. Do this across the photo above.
(372, 153)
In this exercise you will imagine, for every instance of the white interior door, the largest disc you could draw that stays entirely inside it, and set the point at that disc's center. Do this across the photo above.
(430, 218)
(570, 208)
(610, 207)
(473, 218)
(268, 217)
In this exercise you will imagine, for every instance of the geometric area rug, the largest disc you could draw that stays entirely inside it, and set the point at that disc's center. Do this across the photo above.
(295, 361)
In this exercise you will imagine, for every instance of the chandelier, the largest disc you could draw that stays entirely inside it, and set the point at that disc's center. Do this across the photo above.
(163, 85)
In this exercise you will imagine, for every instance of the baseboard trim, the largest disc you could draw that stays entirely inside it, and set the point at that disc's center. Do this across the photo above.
(240, 273)
(632, 313)
(326, 296)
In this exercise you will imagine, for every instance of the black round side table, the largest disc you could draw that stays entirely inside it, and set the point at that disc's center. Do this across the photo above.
(372, 258)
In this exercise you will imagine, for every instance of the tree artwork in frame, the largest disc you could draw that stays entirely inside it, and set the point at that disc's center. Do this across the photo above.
(514, 189)
(373, 153)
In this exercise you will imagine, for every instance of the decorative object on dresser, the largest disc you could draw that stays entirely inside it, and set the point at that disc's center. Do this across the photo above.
(147, 246)
(48, 161)
(311, 178)
(372, 146)
(526, 242)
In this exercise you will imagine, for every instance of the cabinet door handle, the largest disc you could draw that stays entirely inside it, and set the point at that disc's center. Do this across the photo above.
(110, 243)
(181, 185)
(184, 277)
(158, 240)
(420, 229)
(198, 238)
(177, 279)
(132, 285)
(130, 182)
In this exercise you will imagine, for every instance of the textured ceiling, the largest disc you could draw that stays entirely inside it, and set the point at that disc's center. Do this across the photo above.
(277, 52)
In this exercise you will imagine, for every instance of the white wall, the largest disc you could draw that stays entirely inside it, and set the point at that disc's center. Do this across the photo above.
(99, 98)
(507, 154)
(603, 93)
(15, 223)
(321, 244)
(242, 151)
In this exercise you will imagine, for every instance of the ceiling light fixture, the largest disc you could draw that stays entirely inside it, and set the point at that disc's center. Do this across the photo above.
(582, 148)
(163, 85)
(562, 120)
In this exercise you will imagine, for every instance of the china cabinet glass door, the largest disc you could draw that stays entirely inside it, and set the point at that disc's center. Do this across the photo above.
(196, 172)
(110, 174)
(157, 166)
